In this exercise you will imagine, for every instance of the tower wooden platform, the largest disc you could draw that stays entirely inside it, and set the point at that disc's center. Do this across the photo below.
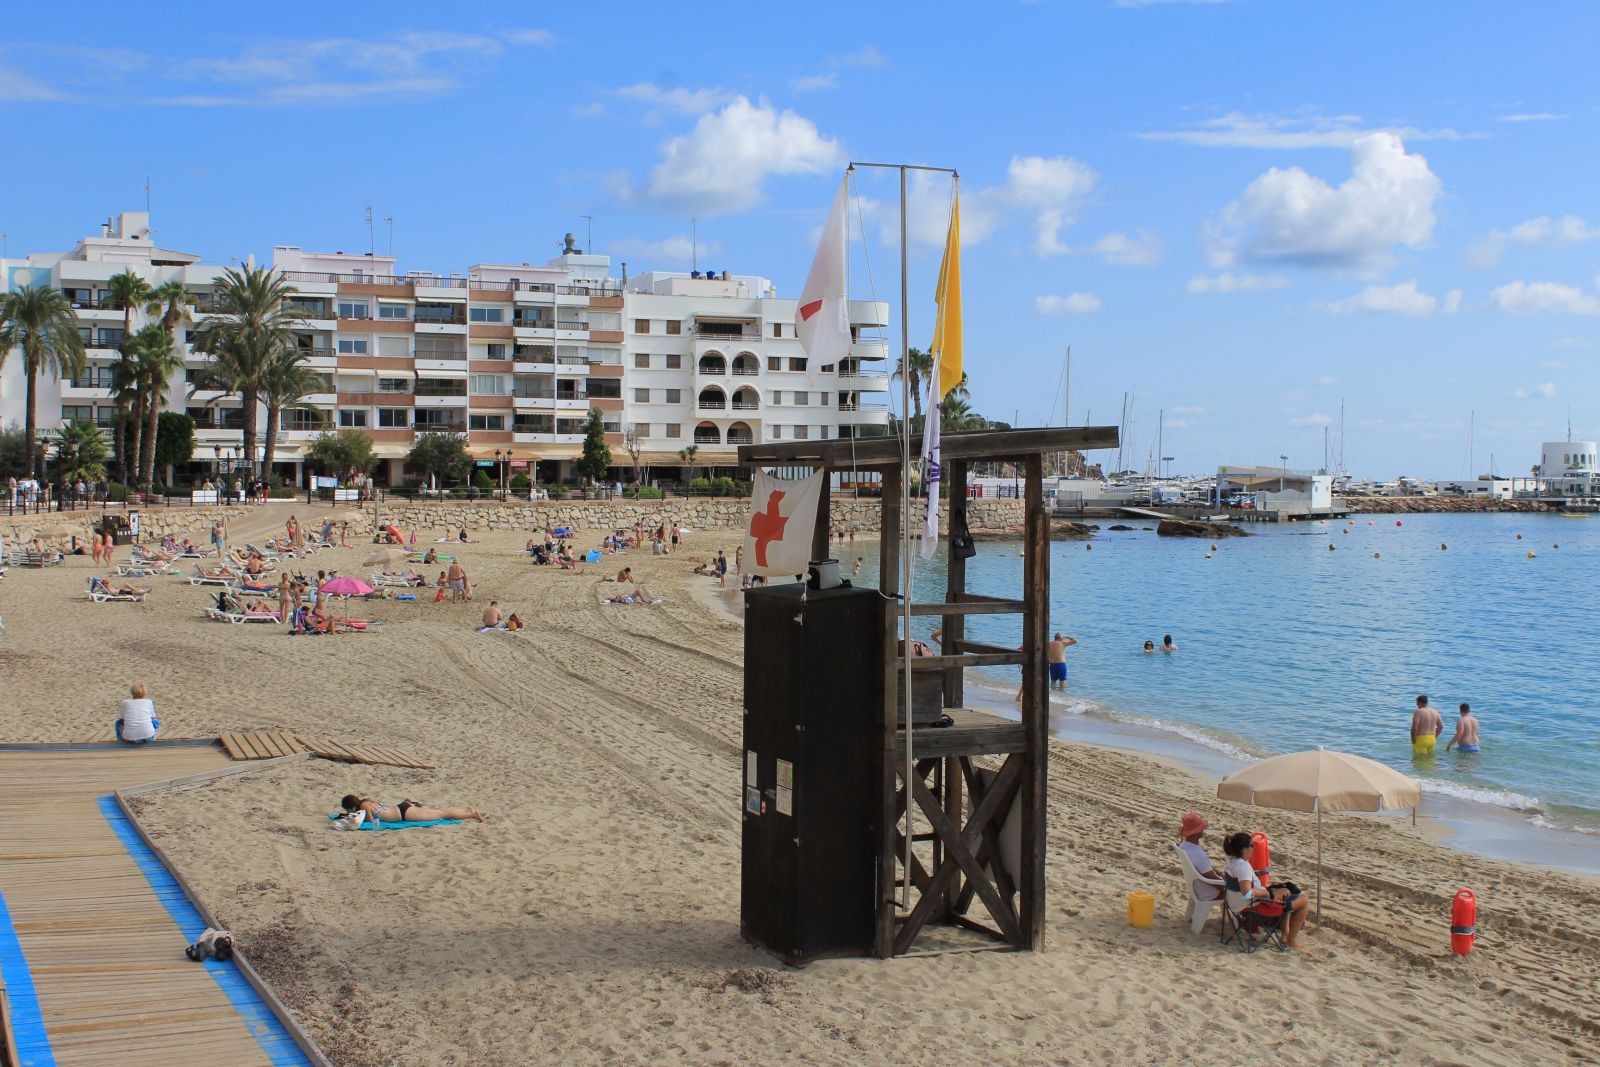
(967, 779)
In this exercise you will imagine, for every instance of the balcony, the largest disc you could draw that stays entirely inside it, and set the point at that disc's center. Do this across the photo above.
(572, 324)
(105, 341)
(746, 405)
(707, 404)
(865, 383)
(719, 331)
(440, 315)
(867, 409)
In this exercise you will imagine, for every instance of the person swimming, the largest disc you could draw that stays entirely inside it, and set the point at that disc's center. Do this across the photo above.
(1426, 725)
(1149, 647)
(1167, 645)
(1466, 735)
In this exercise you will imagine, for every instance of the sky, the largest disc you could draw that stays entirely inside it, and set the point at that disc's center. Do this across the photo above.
(1238, 213)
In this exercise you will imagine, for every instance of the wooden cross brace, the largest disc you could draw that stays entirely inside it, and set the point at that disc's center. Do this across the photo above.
(966, 850)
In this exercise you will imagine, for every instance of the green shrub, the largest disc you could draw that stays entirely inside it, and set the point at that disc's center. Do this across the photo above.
(520, 480)
(646, 492)
(722, 487)
(283, 492)
(481, 480)
(700, 485)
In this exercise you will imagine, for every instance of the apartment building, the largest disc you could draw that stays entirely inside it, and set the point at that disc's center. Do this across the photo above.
(513, 355)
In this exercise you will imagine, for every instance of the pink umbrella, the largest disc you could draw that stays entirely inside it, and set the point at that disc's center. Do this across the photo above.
(346, 587)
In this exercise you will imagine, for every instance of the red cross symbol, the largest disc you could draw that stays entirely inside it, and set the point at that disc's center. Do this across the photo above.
(808, 310)
(767, 526)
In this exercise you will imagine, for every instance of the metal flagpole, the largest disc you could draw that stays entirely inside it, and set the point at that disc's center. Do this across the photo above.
(905, 503)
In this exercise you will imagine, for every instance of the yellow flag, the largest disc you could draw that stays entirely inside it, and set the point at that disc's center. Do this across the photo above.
(946, 349)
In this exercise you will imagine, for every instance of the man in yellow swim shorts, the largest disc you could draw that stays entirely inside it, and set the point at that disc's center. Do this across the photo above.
(1426, 726)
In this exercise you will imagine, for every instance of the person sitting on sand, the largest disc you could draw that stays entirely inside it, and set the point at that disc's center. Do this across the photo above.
(405, 811)
(1149, 647)
(430, 559)
(443, 586)
(136, 719)
(1190, 829)
(491, 615)
(463, 538)
(513, 622)
(1167, 645)
(1236, 846)
(565, 559)
(625, 574)
(1466, 735)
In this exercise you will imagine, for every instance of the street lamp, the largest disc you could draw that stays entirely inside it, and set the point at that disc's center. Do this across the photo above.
(1168, 459)
(1285, 472)
(499, 474)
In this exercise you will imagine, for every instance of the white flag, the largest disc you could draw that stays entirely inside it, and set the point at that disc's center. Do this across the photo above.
(822, 321)
(783, 517)
(931, 471)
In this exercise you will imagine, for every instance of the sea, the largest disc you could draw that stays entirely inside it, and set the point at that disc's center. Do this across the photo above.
(1324, 633)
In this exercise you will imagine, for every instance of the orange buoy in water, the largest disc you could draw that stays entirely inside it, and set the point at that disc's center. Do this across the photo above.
(1463, 922)
(1261, 857)
(1397, 522)
(1531, 555)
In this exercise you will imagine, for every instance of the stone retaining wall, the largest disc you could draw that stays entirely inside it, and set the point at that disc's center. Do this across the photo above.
(154, 523)
(694, 513)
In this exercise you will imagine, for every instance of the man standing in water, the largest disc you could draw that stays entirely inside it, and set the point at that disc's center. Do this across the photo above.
(1466, 735)
(1056, 653)
(1426, 726)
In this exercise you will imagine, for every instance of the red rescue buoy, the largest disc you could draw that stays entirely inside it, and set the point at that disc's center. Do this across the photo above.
(1261, 857)
(1463, 922)
(1397, 522)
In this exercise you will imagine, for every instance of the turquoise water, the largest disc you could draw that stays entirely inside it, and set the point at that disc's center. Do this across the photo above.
(1284, 645)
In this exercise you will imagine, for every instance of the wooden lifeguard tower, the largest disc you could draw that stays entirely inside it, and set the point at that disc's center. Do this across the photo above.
(968, 778)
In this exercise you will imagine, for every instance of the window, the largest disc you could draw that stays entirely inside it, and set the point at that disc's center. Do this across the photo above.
(641, 325)
(605, 388)
(822, 433)
(801, 433)
(438, 346)
(352, 346)
(777, 329)
(356, 417)
(606, 320)
(441, 387)
(487, 314)
(394, 385)
(293, 419)
(674, 429)
(437, 419)
(611, 357)
(109, 339)
(641, 361)
(822, 398)
(572, 426)
(482, 421)
(674, 361)
(801, 397)
(394, 418)
(796, 363)
(355, 309)
(777, 432)
(641, 396)
(774, 362)
(528, 422)
(440, 313)
(398, 312)
(777, 396)
(612, 425)
(77, 413)
(394, 346)
(495, 351)
(489, 385)
(674, 396)
(674, 326)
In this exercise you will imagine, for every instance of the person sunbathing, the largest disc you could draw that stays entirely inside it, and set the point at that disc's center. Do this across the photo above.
(257, 606)
(405, 811)
(216, 571)
(122, 588)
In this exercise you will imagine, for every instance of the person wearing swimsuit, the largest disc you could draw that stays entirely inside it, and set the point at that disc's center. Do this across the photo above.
(406, 810)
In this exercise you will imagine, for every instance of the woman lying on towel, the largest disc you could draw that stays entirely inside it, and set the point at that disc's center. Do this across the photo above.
(406, 810)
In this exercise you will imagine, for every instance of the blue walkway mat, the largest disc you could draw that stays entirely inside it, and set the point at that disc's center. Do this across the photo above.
(27, 1021)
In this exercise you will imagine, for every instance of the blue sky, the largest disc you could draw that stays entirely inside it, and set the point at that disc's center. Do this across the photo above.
(1240, 212)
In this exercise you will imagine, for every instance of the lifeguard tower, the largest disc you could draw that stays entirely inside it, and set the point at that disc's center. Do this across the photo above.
(968, 819)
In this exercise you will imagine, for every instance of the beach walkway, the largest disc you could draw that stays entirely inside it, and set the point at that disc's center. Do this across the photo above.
(94, 925)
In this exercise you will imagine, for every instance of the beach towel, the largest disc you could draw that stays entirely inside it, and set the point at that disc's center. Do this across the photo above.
(592, 556)
(562, 531)
(368, 824)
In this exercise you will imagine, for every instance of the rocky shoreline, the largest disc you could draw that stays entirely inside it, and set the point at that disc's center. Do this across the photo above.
(1417, 505)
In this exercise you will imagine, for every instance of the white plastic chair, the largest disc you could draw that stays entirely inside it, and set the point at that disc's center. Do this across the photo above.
(1196, 911)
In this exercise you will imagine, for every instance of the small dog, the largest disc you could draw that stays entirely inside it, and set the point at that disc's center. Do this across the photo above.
(213, 944)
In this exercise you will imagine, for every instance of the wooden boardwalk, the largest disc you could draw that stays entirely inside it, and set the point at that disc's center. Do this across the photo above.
(105, 955)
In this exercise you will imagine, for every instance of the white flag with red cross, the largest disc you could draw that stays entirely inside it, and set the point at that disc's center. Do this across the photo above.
(783, 517)
(822, 318)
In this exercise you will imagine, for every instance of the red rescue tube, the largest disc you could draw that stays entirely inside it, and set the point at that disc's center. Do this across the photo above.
(1463, 922)
(1261, 857)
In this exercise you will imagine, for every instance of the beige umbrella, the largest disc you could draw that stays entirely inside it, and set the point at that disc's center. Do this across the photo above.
(385, 556)
(1322, 781)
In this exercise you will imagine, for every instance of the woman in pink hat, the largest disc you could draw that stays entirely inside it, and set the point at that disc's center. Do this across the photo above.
(1191, 828)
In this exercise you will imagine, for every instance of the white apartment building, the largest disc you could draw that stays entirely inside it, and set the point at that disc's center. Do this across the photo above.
(513, 355)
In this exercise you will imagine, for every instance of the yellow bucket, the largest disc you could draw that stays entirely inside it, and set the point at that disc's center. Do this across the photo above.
(1141, 910)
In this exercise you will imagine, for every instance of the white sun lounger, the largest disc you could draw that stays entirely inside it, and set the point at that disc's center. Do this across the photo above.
(100, 593)
(239, 617)
(199, 577)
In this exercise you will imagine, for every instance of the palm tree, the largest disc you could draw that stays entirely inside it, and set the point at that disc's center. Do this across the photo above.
(129, 291)
(40, 321)
(125, 390)
(80, 452)
(158, 360)
(251, 324)
(916, 368)
(287, 382)
(173, 298)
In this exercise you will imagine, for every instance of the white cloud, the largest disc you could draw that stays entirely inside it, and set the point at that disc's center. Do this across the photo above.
(1236, 283)
(1546, 391)
(812, 83)
(1239, 130)
(1572, 342)
(721, 165)
(1567, 230)
(866, 56)
(1316, 419)
(590, 110)
(1402, 299)
(1544, 298)
(18, 88)
(1188, 409)
(679, 248)
(1553, 364)
(1071, 304)
(1529, 116)
(1326, 379)
(1289, 216)
(529, 36)
(1046, 189)
(1143, 249)
(675, 99)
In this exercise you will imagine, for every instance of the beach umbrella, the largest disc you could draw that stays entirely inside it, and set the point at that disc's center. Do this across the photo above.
(385, 556)
(343, 586)
(1321, 781)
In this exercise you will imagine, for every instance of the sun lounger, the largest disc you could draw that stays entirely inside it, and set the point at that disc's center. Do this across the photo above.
(143, 568)
(200, 577)
(232, 610)
(394, 581)
(101, 593)
(29, 558)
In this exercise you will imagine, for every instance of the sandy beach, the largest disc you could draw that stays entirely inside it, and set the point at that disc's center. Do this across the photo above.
(593, 919)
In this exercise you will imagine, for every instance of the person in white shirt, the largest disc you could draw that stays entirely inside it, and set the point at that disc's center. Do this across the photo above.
(1191, 828)
(137, 722)
(1252, 892)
